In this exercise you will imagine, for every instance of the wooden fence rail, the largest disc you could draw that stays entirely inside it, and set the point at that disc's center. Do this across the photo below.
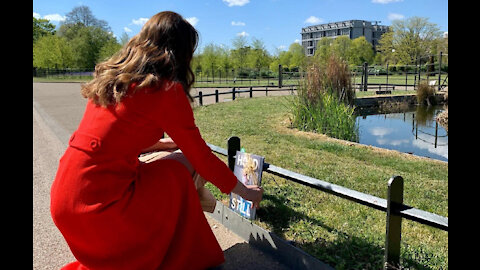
(393, 205)
(236, 91)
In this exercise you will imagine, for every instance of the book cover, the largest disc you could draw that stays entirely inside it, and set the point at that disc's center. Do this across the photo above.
(248, 169)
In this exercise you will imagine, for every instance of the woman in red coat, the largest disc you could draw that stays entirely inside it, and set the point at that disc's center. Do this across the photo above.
(116, 212)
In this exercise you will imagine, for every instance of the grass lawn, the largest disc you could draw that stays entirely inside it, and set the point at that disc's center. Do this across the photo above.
(341, 233)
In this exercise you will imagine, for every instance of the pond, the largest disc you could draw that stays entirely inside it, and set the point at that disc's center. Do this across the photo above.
(413, 131)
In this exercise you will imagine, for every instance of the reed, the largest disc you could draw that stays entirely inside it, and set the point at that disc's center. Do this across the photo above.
(324, 101)
(425, 93)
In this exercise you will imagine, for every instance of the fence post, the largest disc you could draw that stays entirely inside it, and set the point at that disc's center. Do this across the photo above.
(394, 223)
(387, 76)
(200, 98)
(406, 77)
(365, 76)
(251, 92)
(216, 95)
(280, 79)
(233, 145)
(233, 93)
(439, 70)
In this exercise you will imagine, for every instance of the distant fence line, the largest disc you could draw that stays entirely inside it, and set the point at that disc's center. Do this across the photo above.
(365, 77)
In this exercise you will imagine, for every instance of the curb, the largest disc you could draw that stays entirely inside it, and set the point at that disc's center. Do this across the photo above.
(266, 241)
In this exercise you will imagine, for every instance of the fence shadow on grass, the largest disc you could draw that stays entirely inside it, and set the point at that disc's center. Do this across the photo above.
(346, 252)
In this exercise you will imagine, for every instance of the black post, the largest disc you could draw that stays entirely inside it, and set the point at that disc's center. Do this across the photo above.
(365, 75)
(439, 70)
(419, 70)
(216, 95)
(280, 79)
(233, 93)
(394, 223)
(251, 92)
(200, 98)
(387, 76)
(233, 145)
(406, 77)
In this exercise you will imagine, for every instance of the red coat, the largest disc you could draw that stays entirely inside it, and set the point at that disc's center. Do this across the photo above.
(118, 213)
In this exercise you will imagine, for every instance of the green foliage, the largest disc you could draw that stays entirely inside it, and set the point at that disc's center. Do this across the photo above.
(409, 40)
(323, 101)
(52, 51)
(361, 51)
(81, 42)
(42, 27)
(355, 52)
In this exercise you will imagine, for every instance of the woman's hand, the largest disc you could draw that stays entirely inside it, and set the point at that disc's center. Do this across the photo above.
(252, 193)
(164, 144)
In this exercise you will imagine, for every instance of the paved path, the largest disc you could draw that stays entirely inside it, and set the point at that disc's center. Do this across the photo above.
(57, 110)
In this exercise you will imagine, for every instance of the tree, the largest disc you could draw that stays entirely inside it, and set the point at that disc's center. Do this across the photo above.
(239, 52)
(124, 39)
(87, 44)
(323, 51)
(257, 56)
(84, 16)
(386, 50)
(42, 27)
(90, 39)
(412, 39)
(341, 47)
(108, 49)
(298, 58)
(361, 51)
(52, 51)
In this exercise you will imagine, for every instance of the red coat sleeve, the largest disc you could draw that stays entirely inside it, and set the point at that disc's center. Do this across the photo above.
(177, 120)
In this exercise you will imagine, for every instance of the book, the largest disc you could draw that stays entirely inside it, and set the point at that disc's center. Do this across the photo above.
(248, 169)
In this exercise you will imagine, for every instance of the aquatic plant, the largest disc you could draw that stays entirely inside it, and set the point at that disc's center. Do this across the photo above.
(324, 101)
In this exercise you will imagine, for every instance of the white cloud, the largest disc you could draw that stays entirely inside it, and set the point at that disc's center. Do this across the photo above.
(54, 17)
(297, 41)
(140, 21)
(281, 47)
(36, 15)
(126, 29)
(380, 131)
(239, 3)
(385, 1)
(192, 20)
(242, 34)
(238, 23)
(313, 20)
(395, 16)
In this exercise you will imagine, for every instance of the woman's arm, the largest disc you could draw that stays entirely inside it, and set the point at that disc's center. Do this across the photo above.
(164, 144)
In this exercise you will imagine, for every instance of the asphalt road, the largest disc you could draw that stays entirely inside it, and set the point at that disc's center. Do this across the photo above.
(57, 110)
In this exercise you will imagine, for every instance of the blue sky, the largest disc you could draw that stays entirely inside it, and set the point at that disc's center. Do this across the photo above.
(277, 23)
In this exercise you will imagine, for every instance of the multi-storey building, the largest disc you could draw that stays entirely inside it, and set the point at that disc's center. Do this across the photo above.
(352, 28)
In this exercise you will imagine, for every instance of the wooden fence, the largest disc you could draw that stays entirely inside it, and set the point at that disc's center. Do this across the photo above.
(393, 206)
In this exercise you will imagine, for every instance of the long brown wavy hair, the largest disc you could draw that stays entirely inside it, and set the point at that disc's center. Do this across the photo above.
(161, 51)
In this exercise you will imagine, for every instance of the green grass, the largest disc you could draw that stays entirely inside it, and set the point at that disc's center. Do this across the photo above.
(341, 233)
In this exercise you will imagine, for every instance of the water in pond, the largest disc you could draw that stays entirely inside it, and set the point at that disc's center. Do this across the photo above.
(413, 131)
